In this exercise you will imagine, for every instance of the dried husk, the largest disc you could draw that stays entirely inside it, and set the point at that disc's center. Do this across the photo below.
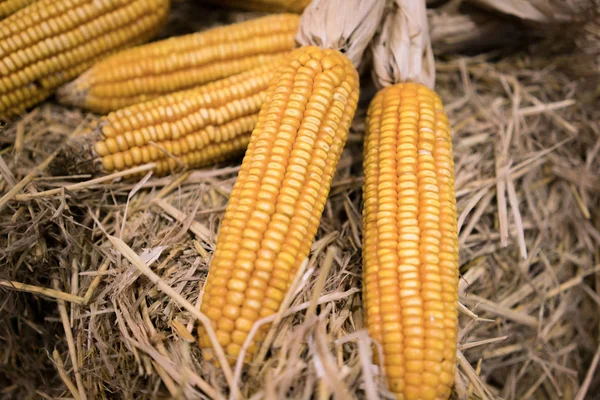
(402, 51)
(344, 25)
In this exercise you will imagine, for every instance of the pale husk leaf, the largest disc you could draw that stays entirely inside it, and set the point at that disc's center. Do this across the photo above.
(402, 51)
(344, 25)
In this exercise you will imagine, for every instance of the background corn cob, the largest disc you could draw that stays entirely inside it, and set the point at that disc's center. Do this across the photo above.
(8, 7)
(410, 247)
(274, 209)
(296, 6)
(191, 128)
(52, 41)
(178, 63)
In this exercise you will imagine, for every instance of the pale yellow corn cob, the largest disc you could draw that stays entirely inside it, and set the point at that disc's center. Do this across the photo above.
(187, 129)
(145, 72)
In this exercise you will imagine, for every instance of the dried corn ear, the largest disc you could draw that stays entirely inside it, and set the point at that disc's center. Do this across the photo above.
(410, 245)
(275, 207)
(187, 129)
(52, 41)
(145, 72)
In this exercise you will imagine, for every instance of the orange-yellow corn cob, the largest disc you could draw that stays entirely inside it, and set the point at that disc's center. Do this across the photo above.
(296, 6)
(145, 72)
(52, 41)
(276, 203)
(410, 246)
(8, 7)
(189, 129)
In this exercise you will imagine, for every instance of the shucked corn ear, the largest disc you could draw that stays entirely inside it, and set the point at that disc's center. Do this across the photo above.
(296, 6)
(178, 63)
(191, 128)
(52, 41)
(410, 246)
(276, 203)
(8, 7)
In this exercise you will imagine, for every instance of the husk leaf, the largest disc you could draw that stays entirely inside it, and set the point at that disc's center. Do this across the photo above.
(402, 51)
(344, 25)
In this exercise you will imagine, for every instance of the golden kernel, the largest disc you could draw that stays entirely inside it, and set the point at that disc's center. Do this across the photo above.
(101, 149)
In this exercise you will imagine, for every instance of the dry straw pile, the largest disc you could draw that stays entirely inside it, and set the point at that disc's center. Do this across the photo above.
(99, 278)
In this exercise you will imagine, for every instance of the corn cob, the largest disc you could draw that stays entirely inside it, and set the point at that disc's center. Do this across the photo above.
(179, 63)
(190, 128)
(275, 206)
(296, 6)
(8, 7)
(52, 41)
(410, 246)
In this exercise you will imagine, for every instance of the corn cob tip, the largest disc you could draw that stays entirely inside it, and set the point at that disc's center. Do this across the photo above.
(78, 156)
(73, 93)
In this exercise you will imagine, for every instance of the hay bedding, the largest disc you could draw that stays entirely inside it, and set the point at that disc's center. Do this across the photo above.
(527, 144)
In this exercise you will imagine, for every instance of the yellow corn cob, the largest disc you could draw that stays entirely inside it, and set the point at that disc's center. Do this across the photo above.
(191, 128)
(296, 6)
(8, 7)
(410, 246)
(178, 63)
(276, 203)
(52, 41)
